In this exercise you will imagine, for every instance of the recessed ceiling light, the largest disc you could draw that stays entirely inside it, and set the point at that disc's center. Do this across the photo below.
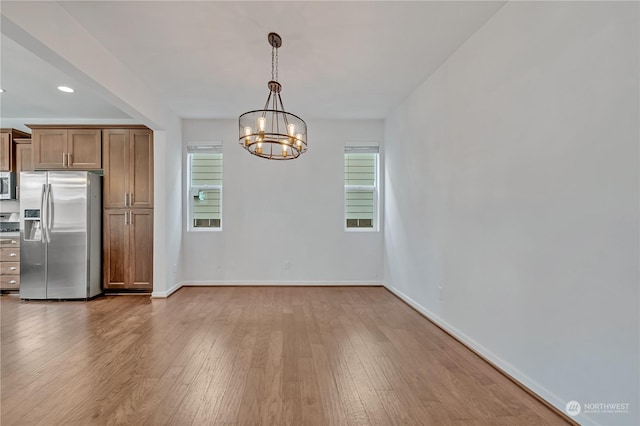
(1, 90)
(65, 89)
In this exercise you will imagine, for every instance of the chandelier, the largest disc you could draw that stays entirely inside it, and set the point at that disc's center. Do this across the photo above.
(272, 132)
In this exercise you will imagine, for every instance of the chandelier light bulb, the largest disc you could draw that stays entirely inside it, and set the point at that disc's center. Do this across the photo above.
(291, 129)
(247, 133)
(262, 123)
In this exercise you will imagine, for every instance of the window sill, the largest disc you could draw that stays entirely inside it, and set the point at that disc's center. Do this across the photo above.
(197, 230)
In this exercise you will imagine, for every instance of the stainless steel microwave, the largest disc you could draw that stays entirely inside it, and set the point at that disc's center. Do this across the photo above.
(7, 185)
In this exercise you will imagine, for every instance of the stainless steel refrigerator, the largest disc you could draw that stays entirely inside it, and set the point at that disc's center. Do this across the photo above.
(60, 235)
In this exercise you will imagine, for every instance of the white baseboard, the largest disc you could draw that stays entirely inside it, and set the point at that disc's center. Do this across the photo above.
(165, 294)
(280, 283)
(178, 286)
(525, 380)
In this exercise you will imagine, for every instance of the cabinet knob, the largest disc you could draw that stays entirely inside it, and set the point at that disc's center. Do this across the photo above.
(14, 242)
(12, 282)
(12, 254)
(13, 268)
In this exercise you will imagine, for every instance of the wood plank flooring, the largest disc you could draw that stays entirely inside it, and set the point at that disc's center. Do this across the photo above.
(246, 356)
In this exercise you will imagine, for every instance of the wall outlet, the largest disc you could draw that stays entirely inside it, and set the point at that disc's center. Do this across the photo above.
(286, 265)
(175, 269)
(440, 293)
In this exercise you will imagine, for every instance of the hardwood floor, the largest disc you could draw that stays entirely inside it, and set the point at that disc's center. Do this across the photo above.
(246, 356)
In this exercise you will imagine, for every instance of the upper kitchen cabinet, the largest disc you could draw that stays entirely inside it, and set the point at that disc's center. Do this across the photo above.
(128, 168)
(7, 149)
(24, 162)
(5, 152)
(66, 148)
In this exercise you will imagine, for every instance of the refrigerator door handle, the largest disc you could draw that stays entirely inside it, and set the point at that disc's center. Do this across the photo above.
(43, 228)
(49, 213)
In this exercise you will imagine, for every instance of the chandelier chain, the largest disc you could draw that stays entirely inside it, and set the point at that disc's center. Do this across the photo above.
(274, 63)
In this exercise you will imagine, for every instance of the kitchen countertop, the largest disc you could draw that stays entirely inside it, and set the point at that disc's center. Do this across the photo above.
(4, 235)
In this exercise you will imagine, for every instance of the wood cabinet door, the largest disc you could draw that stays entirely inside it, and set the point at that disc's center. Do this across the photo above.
(84, 149)
(141, 254)
(141, 168)
(5, 152)
(49, 148)
(23, 163)
(115, 161)
(116, 248)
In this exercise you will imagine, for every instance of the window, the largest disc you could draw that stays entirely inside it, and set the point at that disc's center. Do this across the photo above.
(361, 188)
(205, 187)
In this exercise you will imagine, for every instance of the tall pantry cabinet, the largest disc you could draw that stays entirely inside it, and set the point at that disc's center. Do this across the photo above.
(127, 160)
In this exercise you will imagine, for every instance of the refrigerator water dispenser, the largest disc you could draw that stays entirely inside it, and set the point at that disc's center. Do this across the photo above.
(32, 229)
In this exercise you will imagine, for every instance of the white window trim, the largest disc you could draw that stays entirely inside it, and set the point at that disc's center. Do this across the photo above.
(192, 149)
(375, 187)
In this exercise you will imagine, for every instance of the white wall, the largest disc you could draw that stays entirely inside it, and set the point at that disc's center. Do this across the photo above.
(167, 243)
(276, 211)
(512, 182)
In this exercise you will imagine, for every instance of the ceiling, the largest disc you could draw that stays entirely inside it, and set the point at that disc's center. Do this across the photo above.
(30, 86)
(212, 59)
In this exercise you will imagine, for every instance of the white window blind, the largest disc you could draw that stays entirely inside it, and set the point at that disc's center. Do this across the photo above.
(205, 187)
(361, 187)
